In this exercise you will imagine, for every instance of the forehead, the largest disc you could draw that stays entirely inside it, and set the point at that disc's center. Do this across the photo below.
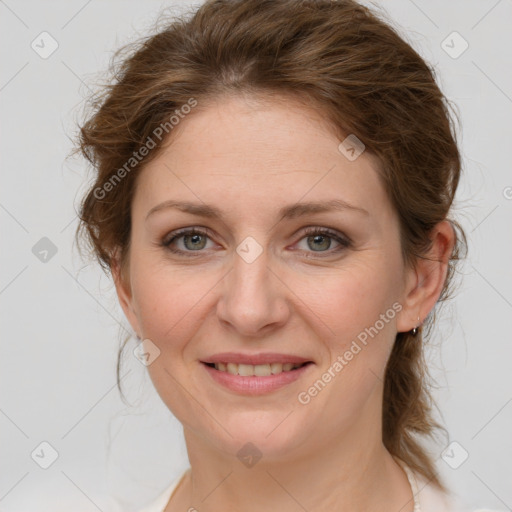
(243, 133)
(278, 150)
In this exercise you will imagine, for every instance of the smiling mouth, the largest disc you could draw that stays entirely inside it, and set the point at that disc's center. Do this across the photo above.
(258, 370)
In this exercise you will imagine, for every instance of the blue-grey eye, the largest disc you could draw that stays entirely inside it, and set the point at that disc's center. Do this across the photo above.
(319, 242)
(197, 241)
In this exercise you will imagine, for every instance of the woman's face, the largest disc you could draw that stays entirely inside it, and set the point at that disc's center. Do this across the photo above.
(266, 278)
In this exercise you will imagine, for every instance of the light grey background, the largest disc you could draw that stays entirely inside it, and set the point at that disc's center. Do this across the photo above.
(60, 319)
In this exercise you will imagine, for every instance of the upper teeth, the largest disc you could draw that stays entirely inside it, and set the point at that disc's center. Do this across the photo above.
(260, 370)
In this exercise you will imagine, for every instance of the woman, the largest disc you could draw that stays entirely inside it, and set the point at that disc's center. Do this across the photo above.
(273, 193)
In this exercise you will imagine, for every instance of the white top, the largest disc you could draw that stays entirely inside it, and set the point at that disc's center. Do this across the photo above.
(427, 497)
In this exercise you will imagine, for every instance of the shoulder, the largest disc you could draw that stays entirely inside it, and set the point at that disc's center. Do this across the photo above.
(160, 502)
(432, 499)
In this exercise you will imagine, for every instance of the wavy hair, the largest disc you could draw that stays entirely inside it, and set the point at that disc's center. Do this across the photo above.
(338, 56)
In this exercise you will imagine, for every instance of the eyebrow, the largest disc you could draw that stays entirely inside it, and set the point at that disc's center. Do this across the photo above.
(287, 212)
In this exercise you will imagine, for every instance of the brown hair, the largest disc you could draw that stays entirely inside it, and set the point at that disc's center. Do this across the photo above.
(352, 66)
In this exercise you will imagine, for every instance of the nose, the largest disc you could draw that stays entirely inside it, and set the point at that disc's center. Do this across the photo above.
(254, 298)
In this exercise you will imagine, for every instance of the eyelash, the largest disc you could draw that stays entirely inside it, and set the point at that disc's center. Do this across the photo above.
(344, 241)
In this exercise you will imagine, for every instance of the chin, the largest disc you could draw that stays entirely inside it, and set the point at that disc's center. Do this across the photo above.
(266, 435)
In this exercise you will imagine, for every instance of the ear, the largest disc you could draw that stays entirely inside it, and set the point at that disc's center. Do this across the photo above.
(124, 292)
(424, 282)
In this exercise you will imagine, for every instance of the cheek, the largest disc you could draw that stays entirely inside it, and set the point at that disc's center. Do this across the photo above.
(170, 306)
(358, 309)
(351, 299)
(168, 303)
(359, 306)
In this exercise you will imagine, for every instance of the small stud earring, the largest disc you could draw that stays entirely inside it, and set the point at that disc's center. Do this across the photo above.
(415, 330)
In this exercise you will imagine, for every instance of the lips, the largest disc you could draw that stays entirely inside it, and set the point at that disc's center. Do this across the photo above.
(255, 359)
(259, 370)
(254, 380)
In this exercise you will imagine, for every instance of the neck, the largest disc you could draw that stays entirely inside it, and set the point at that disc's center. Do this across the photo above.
(353, 472)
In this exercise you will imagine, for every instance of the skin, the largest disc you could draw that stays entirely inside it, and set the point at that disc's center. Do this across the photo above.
(249, 158)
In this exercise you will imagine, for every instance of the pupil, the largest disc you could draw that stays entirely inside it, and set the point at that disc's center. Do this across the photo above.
(318, 239)
(195, 239)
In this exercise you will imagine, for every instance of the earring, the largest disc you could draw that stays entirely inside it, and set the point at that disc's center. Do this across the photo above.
(415, 330)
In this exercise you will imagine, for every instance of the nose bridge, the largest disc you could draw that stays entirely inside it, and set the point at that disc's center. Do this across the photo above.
(252, 297)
